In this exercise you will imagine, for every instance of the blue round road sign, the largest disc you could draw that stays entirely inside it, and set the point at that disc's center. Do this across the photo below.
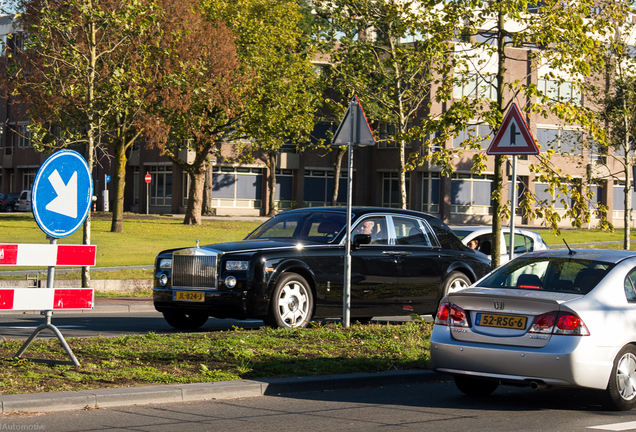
(62, 193)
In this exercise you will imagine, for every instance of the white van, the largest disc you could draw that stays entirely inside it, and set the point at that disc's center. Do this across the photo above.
(24, 202)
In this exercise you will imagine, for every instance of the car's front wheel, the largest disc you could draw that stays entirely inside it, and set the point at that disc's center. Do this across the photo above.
(474, 386)
(621, 390)
(185, 320)
(292, 303)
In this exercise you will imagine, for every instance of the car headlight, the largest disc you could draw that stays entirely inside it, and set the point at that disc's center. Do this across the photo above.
(230, 282)
(163, 280)
(165, 263)
(237, 265)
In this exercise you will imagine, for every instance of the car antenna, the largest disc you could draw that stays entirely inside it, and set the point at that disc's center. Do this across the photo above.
(568, 246)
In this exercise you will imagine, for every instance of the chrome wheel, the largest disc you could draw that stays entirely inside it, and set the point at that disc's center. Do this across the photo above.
(626, 376)
(292, 303)
(621, 389)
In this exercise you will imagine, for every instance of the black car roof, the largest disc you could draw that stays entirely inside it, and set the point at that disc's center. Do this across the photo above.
(360, 211)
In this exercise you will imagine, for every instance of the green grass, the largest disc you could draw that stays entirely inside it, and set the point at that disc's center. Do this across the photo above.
(577, 236)
(215, 356)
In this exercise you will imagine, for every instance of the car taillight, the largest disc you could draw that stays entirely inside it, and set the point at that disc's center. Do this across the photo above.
(452, 315)
(560, 323)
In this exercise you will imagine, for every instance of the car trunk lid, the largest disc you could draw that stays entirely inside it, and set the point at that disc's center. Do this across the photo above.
(505, 316)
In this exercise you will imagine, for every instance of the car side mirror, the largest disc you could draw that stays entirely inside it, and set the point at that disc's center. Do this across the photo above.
(360, 239)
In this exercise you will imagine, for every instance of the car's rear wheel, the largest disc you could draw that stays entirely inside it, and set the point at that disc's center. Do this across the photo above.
(455, 282)
(185, 320)
(292, 303)
(621, 390)
(475, 386)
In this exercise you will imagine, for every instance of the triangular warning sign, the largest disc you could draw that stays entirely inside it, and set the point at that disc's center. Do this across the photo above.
(354, 128)
(513, 137)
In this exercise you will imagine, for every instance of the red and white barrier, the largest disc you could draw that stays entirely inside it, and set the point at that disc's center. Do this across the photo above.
(46, 298)
(47, 255)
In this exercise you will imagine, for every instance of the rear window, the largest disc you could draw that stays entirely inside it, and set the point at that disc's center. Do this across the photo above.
(549, 274)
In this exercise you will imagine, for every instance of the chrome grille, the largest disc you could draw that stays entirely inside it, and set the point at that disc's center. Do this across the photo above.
(194, 271)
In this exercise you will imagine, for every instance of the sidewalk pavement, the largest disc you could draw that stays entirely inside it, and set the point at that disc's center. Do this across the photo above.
(128, 396)
(100, 398)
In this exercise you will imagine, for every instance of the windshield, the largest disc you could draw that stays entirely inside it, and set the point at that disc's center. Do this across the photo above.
(549, 274)
(308, 226)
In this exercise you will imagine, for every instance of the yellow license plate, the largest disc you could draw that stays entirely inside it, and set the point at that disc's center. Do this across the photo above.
(189, 296)
(502, 321)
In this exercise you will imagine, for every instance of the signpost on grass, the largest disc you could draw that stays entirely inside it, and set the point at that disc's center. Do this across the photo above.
(513, 138)
(353, 131)
(62, 195)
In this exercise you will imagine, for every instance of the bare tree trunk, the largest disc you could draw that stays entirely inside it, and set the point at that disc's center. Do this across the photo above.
(402, 175)
(119, 183)
(336, 176)
(195, 193)
(271, 186)
(91, 128)
(207, 192)
(497, 196)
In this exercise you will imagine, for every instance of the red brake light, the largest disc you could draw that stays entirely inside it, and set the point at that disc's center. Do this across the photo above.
(452, 315)
(562, 323)
(442, 314)
(570, 324)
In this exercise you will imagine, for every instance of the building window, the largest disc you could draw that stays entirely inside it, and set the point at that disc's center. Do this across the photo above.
(430, 193)
(560, 91)
(23, 136)
(471, 193)
(480, 133)
(560, 140)
(161, 185)
(319, 187)
(232, 183)
(28, 175)
(475, 86)
(391, 190)
(543, 195)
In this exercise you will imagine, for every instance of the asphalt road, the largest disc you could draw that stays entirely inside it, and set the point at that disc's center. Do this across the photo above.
(436, 406)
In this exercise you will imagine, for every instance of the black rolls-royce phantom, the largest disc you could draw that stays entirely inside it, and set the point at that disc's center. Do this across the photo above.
(291, 269)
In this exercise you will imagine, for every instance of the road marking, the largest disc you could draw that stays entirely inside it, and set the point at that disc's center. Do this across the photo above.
(616, 426)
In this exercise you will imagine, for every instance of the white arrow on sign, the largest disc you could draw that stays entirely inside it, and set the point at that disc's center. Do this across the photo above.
(66, 201)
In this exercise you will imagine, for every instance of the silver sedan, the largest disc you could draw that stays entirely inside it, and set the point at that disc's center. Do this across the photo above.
(547, 319)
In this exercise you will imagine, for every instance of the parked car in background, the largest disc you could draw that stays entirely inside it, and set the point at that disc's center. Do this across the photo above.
(24, 201)
(291, 269)
(525, 240)
(8, 201)
(554, 318)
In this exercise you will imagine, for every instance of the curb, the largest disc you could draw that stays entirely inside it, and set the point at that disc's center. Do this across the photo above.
(128, 396)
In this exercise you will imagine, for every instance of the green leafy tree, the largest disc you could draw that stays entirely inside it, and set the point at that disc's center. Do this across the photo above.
(392, 55)
(613, 97)
(282, 107)
(60, 71)
(203, 93)
(549, 34)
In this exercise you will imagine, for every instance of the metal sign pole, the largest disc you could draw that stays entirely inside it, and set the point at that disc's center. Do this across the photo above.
(346, 301)
(513, 205)
(47, 324)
